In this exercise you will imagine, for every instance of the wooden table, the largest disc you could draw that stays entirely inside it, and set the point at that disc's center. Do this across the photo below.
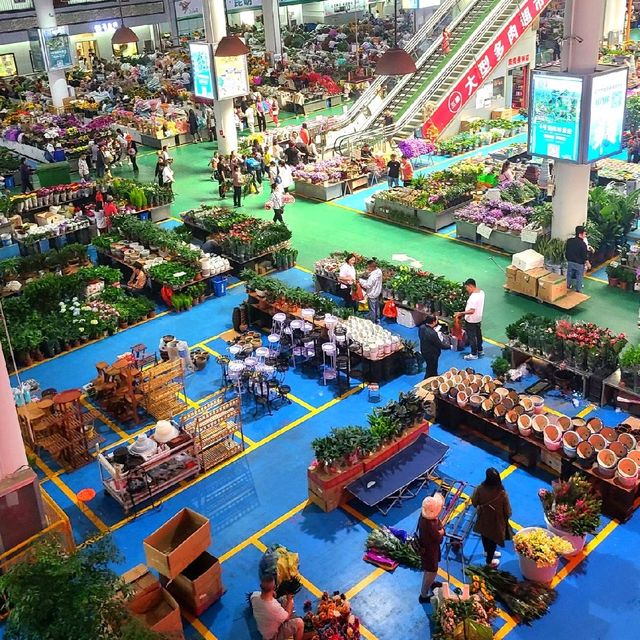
(617, 501)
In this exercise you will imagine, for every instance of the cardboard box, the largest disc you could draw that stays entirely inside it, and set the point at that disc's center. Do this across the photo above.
(177, 543)
(527, 260)
(195, 607)
(528, 281)
(153, 605)
(202, 578)
(512, 275)
(551, 287)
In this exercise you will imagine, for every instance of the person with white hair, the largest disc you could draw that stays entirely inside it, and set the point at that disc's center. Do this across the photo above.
(429, 537)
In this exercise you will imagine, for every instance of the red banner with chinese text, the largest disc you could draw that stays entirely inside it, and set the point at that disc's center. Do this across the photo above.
(483, 67)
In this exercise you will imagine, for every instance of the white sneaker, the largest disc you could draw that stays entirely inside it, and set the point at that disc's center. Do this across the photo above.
(470, 356)
(495, 564)
(497, 554)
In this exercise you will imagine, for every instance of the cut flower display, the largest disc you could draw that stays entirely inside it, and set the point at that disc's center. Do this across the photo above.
(541, 546)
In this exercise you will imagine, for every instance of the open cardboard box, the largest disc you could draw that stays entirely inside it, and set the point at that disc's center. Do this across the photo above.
(177, 543)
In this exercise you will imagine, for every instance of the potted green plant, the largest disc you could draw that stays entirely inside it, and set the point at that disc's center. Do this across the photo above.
(613, 274)
(500, 366)
(411, 357)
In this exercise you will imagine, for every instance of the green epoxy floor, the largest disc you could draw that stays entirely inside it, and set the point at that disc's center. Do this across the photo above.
(319, 228)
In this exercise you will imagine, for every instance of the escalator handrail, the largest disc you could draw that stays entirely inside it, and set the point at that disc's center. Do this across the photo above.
(372, 90)
(391, 130)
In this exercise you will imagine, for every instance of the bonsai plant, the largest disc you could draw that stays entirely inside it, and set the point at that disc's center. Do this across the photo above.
(500, 366)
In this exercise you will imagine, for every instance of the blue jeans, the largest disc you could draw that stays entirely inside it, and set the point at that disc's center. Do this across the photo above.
(575, 273)
(393, 182)
(374, 309)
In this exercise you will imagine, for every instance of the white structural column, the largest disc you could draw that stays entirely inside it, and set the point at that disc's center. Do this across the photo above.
(583, 23)
(271, 21)
(215, 28)
(614, 19)
(12, 453)
(57, 81)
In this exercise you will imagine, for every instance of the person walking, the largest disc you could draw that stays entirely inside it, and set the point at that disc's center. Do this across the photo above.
(168, 177)
(223, 173)
(393, 172)
(576, 253)
(238, 180)
(493, 512)
(132, 152)
(277, 202)
(260, 113)
(286, 176)
(250, 118)
(472, 315)
(372, 286)
(194, 128)
(429, 537)
(25, 175)
(430, 345)
(275, 112)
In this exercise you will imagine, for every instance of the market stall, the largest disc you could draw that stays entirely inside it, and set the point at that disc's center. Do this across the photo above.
(330, 179)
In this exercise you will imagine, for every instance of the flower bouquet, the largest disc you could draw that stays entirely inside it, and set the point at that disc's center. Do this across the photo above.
(458, 619)
(333, 619)
(539, 552)
(571, 509)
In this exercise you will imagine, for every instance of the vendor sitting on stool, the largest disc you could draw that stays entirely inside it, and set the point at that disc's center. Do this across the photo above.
(138, 280)
(275, 617)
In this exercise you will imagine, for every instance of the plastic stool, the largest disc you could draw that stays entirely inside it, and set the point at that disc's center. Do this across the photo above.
(278, 322)
(274, 345)
(328, 362)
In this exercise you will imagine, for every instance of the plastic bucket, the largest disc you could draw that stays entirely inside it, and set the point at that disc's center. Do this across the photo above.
(9, 182)
(144, 215)
(220, 286)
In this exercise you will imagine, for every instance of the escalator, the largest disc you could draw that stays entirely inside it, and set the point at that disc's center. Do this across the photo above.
(437, 73)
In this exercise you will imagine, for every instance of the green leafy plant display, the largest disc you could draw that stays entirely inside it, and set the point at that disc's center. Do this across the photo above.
(500, 366)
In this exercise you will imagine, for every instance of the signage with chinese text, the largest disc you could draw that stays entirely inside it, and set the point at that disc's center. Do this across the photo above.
(57, 48)
(36, 50)
(490, 58)
(232, 77)
(555, 115)
(8, 65)
(188, 8)
(202, 70)
(606, 118)
(243, 5)
(105, 27)
(518, 61)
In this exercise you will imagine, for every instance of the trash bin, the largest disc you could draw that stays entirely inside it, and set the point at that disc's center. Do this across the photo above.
(9, 182)
(54, 173)
(220, 286)
(144, 215)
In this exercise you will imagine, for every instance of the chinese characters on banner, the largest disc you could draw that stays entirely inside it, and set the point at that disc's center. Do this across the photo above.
(485, 64)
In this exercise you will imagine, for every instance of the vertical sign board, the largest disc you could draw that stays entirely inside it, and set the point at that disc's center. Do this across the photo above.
(486, 62)
(232, 77)
(606, 117)
(202, 70)
(57, 48)
(555, 115)
(35, 49)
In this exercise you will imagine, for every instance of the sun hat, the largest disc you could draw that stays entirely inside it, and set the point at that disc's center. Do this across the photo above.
(432, 506)
(164, 432)
(143, 446)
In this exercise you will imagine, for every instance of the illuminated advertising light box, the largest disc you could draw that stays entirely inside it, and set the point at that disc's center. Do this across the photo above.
(555, 111)
(57, 48)
(606, 114)
(8, 65)
(202, 70)
(232, 76)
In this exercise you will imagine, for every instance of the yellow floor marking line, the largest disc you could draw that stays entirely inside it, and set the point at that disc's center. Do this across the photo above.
(553, 411)
(208, 349)
(493, 342)
(365, 582)
(515, 525)
(235, 284)
(210, 396)
(508, 471)
(190, 403)
(596, 279)
(95, 520)
(576, 560)
(248, 441)
(198, 625)
(301, 268)
(266, 529)
(301, 402)
(505, 629)
(586, 411)
(358, 516)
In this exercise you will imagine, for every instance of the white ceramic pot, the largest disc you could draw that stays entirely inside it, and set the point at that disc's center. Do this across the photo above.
(577, 542)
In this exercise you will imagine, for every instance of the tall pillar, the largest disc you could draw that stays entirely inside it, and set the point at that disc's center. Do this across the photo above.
(614, 19)
(215, 28)
(271, 22)
(57, 81)
(583, 22)
(12, 453)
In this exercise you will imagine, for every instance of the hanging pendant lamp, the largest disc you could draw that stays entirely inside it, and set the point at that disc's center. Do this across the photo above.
(123, 35)
(230, 47)
(395, 61)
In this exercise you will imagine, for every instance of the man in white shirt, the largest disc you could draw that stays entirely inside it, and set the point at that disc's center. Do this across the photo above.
(373, 288)
(274, 621)
(473, 318)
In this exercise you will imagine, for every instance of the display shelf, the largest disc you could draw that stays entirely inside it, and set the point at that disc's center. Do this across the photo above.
(160, 388)
(613, 384)
(156, 475)
(618, 501)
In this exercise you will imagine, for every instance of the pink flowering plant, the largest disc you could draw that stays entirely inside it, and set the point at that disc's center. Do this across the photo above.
(572, 506)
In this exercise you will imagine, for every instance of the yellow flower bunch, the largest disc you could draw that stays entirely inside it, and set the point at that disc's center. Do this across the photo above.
(541, 546)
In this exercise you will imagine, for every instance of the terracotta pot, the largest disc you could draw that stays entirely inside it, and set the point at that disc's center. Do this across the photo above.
(487, 407)
(627, 472)
(595, 425)
(619, 449)
(570, 442)
(608, 434)
(578, 422)
(475, 401)
(526, 404)
(597, 442)
(564, 422)
(607, 461)
(552, 438)
(585, 454)
(462, 399)
(583, 433)
(508, 403)
(635, 456)
(538, 403)
(511, 421)
(627, 440)
(499, 413)
(539, 423)
(524, 425)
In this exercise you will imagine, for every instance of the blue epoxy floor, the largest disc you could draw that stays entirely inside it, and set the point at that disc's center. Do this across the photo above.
(268, 483)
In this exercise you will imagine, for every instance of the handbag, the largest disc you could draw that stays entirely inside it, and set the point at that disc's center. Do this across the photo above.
(390, 310)
(357, 293)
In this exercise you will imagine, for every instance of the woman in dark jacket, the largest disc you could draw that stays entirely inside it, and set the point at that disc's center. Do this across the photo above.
(429, 537)
(194, 129)
(494, 510)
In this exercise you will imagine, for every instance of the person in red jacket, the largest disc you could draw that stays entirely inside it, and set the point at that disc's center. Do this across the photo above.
(304, 135)
(406, 171)
(110, 210)
(429, 537)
